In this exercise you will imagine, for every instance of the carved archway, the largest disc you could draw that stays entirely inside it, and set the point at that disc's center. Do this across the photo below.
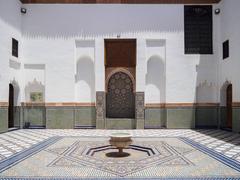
(120, 96)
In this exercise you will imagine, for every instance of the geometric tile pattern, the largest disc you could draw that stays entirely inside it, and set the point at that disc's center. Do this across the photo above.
(143, 155)
(120, 96)
(223, 142)
(100, 109)
(139, 111)
(66, 157)
(139, 105)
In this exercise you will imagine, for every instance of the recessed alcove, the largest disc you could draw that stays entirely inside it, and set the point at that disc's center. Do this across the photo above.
(35, 95)
(155, 83)
(85, 83)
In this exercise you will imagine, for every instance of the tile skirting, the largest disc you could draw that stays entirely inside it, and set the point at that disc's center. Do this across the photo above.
(177, 105)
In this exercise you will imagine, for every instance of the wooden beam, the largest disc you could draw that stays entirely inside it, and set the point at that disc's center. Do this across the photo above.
(120, 1)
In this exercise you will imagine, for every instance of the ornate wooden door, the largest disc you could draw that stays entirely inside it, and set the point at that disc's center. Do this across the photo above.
(120, 96)
(229, 106)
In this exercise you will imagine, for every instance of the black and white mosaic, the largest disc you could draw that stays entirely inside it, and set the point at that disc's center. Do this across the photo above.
(142, 156)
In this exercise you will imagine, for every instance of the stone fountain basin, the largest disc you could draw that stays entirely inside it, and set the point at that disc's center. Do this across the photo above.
(120, 140)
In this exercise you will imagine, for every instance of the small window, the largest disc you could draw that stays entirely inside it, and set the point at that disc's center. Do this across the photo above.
(14, 47)
(226, 49)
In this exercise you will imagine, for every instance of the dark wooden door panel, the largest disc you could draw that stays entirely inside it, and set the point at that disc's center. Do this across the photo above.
(120, 53)
(229, 106)
(11, 107)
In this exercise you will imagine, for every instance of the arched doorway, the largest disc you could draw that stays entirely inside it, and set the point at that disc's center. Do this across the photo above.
(11, 107)
(229, 106)
(120, 96)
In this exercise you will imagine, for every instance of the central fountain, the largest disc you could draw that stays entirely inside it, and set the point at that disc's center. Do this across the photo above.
(120, 141)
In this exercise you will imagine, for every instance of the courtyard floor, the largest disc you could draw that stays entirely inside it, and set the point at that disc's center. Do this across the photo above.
(154, 154)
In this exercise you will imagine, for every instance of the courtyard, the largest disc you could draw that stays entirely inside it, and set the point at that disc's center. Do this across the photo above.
(153, 154)
(119, 89)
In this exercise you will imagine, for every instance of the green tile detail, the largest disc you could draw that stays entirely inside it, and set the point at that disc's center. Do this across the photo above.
(120, 123)
(60, 118)
(85, 116)
(100, 124)
(207, 117)
(236, 120)
(17, 116)
(181, 118)
(35, 115)
(3, 119)
(140, 124)
(155, 117)
(223, 117)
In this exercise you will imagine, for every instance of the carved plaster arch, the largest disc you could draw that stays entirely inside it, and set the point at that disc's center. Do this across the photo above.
(123, 70)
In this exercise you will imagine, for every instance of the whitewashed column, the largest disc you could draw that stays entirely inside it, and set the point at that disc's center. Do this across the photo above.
(100, 84)
(140, 83)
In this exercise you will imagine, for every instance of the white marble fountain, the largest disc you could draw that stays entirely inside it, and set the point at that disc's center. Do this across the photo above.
(120, 141)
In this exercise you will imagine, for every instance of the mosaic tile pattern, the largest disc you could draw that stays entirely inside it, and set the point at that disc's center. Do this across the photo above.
(120, 97)
(100, 109)
(223, 142)
(139, 114)
(142, 155)
(66, 157)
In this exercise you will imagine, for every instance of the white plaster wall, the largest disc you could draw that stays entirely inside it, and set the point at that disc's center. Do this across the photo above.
(85, 71)
(155, 83)
(230, 28)
(50, 32)
(10, 67)
(58, 56)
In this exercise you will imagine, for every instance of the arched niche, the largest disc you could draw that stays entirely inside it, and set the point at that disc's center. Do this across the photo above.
(85, 79)
(155, 80)
(35, 91)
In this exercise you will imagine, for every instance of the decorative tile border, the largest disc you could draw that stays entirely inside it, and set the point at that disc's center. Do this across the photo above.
(72, 178)
(3, 104)
(236, 104)
(100, 109)
(219, 157)
(16, 158)
(139, 112)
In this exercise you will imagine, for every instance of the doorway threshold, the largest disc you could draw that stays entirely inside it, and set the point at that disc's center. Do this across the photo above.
(12, 129)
